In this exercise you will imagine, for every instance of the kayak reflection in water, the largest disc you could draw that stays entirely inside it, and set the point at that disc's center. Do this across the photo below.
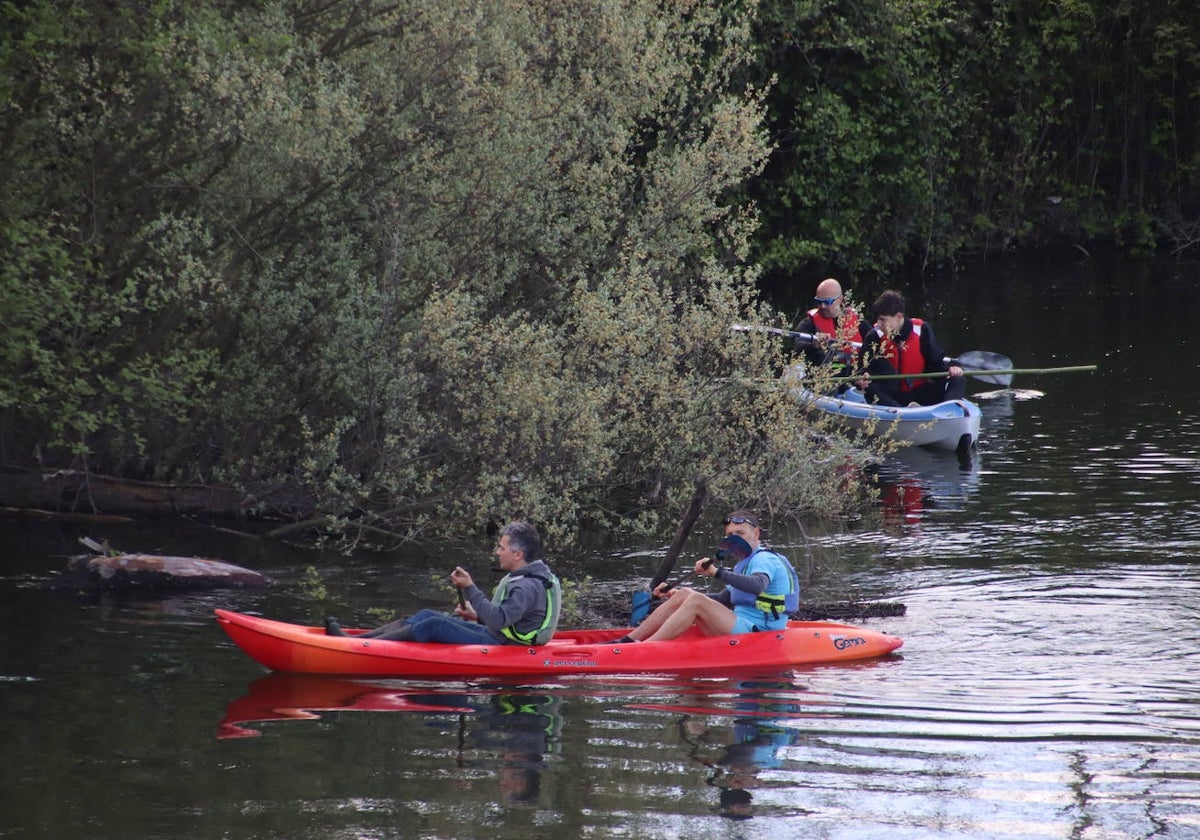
(761, 590)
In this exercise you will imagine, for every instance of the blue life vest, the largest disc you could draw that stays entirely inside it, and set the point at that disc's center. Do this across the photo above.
(781, 596)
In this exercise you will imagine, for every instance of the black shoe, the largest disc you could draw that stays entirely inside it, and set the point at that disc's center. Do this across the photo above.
(624, 640)
(332, 628)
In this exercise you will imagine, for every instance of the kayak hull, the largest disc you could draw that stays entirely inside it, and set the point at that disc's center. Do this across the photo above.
(294, 648)
(952, 425)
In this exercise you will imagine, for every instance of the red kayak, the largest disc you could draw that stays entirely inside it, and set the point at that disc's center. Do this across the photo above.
(294, 648)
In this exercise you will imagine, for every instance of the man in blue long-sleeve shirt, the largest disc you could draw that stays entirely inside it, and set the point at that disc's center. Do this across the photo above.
(761, 590)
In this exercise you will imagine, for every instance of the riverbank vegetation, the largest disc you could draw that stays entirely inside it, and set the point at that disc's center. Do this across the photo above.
(440, 262)
(920, 132)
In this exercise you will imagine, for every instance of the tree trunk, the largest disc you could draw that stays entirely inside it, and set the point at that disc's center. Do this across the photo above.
(74, 492)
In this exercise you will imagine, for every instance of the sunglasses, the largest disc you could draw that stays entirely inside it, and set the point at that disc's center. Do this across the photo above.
(740, 520)
(828, 301)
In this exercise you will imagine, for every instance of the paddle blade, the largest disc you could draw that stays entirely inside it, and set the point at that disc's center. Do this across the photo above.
(641, 608)
(733, 549)
(981, 360)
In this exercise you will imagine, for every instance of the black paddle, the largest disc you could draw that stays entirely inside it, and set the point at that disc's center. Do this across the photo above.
(732, 550)
(685, 527)
(684, 578)
(641, 599)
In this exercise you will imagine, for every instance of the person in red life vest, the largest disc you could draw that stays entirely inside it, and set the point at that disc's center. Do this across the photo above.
(901, 345)
(834, 329)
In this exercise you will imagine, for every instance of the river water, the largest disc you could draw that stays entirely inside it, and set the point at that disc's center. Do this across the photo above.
(1049, 685)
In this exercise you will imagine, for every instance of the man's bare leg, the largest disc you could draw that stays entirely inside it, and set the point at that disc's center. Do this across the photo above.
(659, 615)
(689, 606)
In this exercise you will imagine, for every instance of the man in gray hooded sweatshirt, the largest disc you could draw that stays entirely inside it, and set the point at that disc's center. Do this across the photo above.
(523, 610)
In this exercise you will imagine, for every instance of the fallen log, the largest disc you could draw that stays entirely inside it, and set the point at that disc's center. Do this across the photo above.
(91, 518)
(842, 610)
(153, 573)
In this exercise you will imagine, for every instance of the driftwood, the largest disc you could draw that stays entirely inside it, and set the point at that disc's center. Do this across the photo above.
(92, 518)
(842, 610)
(80, 493)
(152, 572)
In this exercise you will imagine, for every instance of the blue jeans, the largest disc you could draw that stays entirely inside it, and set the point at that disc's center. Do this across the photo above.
(434, 626)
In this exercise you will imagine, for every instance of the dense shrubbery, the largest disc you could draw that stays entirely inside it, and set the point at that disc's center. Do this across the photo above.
(440, 261)
(434, 261)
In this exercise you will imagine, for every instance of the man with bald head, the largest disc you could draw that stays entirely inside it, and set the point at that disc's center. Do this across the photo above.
(834, 329)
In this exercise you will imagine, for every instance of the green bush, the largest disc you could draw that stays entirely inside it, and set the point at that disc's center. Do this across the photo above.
(928, 130)
(429, 264)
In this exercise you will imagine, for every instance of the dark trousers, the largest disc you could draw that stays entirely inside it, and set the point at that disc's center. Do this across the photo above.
(934, 391)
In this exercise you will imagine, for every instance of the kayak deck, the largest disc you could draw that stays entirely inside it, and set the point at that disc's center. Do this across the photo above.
(293, 648)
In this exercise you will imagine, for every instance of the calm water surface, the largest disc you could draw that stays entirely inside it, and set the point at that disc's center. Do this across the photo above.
(1049, 685)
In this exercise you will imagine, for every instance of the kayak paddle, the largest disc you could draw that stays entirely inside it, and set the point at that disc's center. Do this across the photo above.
(732, 550)
(987, 376)
(986, 366)
(641, 599)
(977, 361)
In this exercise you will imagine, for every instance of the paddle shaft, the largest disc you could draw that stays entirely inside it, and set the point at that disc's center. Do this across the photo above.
(685, 527)
(799, 336)
(810, 338)
(684, 578)
(942, 373)
(807, 338)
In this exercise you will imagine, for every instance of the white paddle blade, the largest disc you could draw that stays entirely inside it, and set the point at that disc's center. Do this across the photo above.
(981, 360)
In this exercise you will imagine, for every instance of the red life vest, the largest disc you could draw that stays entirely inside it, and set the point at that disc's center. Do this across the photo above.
(906, 356)
(844, 331)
